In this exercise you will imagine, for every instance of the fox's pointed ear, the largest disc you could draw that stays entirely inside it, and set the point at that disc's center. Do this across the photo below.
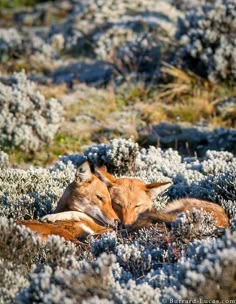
(104, 176)
(83, 172)
(157, 188)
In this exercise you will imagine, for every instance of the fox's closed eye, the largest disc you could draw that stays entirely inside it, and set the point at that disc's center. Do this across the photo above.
(99, 197)
(138, 205)
(117, 205)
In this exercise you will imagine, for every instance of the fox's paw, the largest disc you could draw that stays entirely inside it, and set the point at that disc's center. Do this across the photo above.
(64, 216)
(51, 218)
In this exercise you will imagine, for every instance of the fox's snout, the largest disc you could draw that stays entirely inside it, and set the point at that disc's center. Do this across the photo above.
(128, 223)
(113, 223)
(102, 217)
(128, 217)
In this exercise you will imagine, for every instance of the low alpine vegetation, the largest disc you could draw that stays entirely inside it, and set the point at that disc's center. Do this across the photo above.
(27, 120)
(208, 32)
(155, 264)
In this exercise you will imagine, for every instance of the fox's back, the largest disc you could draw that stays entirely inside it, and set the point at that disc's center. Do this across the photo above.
(188, 204)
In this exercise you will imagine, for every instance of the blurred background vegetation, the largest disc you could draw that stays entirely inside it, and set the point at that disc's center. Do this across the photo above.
(19, 3)
(118, 69)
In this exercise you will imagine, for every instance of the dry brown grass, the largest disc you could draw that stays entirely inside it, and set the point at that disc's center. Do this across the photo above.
(193, 110)
(187, 97)
(52, 90)
(97, 105)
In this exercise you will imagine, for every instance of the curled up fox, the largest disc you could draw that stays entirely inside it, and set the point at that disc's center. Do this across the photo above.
(97, 202)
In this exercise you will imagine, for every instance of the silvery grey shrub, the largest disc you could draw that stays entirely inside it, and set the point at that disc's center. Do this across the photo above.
(184, 5)
(11, 281)
(193, 225)
(70, 285)
(119, 157)
(209, 40)
(131, 49)
(149, 266)
(16, 44)
(207, 271)
(92, 20)
(204, 262)
(27, 120)
(32, 193)
(11, 43)
(124, 34)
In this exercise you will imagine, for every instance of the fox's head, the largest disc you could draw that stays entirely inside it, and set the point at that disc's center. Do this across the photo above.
(88, 194)
(130, 196)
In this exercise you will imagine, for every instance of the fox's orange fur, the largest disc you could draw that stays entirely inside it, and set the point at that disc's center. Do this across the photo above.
(132, 202)
(92, 205)
(84, 208)
(173, 209)
(68, 229)
(87, 194)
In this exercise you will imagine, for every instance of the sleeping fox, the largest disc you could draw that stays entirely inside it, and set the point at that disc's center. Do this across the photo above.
(96, 203)
(132, 201)
(84, 208)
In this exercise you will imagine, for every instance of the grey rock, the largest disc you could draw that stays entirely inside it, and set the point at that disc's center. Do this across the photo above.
(96, 73)
(188, 139)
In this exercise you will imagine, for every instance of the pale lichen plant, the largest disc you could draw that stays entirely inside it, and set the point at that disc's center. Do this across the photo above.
(209, 40)
(27, 120)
